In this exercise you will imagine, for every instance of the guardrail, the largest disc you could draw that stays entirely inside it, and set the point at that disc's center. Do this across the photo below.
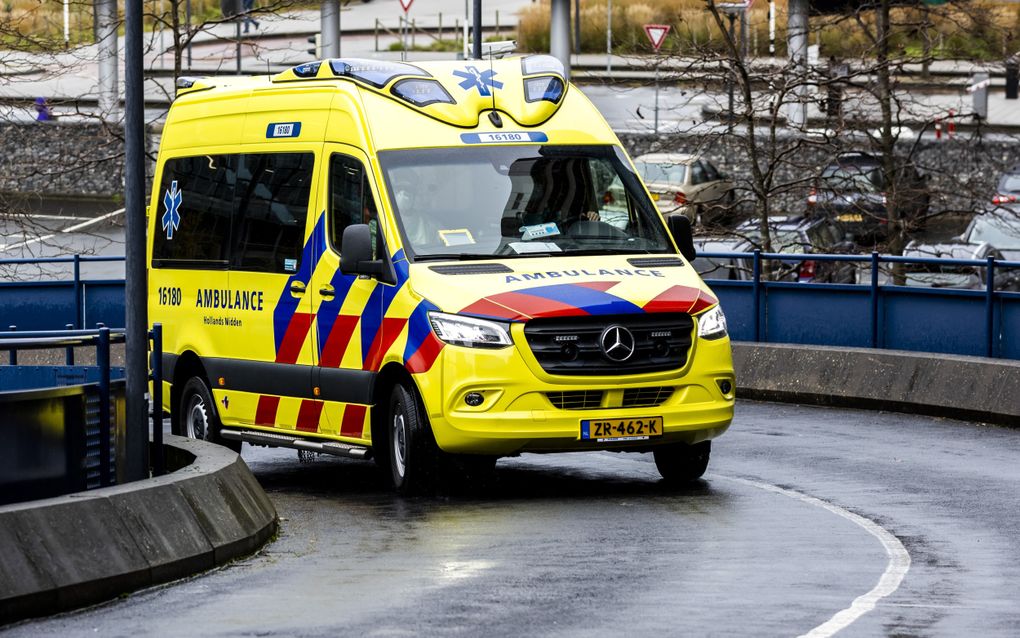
(51, 305)
(983, 322)
(62, 426)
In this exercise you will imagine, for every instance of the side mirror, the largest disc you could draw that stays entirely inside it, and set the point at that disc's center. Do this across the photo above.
(680, 228)
(356, 252)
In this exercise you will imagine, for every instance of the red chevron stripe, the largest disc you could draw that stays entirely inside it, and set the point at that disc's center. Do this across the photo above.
(426, 355)
(704, 301)
(294, 338)
(388, 333)
(354, 420)
(265, 413)
(674, 299)
(308, 416)
(338, 340)
(488, 308)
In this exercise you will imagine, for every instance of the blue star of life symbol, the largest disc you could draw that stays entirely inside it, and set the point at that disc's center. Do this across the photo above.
(171, 218)
(481, 80)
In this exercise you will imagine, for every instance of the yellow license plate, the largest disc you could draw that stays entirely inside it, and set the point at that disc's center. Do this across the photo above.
(621, 429)
(850, 217)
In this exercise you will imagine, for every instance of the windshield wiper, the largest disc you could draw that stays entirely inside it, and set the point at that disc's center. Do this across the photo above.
(456, 257)
(607, 251)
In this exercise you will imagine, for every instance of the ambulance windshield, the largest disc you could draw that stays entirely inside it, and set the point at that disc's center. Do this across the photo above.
(520, 201)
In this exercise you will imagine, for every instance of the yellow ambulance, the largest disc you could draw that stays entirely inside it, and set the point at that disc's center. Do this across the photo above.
(433, 265)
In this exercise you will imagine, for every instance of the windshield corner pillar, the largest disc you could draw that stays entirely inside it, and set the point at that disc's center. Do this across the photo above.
(559, 33)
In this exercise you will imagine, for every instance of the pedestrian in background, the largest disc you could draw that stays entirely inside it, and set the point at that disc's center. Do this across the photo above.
(42, 109)
(248, 6)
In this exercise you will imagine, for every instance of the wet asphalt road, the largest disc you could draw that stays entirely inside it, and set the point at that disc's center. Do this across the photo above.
(792, 523)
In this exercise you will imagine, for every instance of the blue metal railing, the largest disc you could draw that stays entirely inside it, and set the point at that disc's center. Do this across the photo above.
(998, 325)
(78, 317)
(873, 315)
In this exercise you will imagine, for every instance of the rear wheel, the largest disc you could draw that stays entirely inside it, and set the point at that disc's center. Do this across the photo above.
(414, 458)
(198, 417)
(681, 463)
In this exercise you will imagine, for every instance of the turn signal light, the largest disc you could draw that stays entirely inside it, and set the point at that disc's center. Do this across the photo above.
(679, 198)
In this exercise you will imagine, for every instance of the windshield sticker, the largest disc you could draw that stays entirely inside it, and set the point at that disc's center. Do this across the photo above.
(290, 265)
(502, 138)
(539, 230)
(535, 247)
(456, 237)
(172, 218)
(472, 78)
(283, 129)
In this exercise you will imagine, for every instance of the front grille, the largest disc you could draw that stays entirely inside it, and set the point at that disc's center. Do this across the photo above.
(646, 397)
(570, 345)
(576, 399)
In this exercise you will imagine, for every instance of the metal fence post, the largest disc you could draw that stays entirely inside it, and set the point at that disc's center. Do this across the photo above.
(103, 363)
(874, 299)
(756, 293)
(158, 459)
(69, 352)
(79, 310)
(14, 350)
(990, 308)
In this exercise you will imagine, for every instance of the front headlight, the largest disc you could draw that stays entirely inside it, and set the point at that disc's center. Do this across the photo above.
(468, 331)
(712, 324)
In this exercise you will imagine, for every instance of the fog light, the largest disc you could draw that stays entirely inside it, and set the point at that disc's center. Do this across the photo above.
(474, 399)
(725, 386)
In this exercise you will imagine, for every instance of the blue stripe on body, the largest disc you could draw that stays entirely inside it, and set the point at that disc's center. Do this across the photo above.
(287, 305)
(592, 301)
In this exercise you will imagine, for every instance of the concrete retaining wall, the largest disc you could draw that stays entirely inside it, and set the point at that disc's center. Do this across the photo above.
(88, 547)
(974, 388)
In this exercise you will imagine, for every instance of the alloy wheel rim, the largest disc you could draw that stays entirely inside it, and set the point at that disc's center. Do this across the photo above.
(399, 443)
(197, 419)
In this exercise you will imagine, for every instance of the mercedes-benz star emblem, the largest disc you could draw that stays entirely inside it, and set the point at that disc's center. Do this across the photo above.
(617, 343)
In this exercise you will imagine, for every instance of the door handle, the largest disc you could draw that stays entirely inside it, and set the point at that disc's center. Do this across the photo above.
(297, 288)
(327, 291)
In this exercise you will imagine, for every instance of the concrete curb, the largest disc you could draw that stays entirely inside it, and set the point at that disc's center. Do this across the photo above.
(971, 388)
(84, 548)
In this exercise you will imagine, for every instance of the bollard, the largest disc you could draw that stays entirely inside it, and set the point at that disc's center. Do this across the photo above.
(938, 128)
(951, 126)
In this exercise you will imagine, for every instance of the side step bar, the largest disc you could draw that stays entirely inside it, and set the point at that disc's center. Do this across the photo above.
(298, 443)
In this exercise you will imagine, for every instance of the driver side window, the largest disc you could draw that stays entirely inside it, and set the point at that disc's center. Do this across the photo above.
(351, 201)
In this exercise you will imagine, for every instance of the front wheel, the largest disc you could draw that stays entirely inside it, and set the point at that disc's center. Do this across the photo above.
(415, 459)
(198, 417)
(681, 463)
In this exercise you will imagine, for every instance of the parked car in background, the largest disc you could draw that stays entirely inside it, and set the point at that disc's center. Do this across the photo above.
(990, 234)
(1007, 191)
(689, 185)
(854, 192)
(794, 235)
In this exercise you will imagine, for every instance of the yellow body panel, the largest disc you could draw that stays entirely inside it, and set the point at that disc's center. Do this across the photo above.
(309, 336)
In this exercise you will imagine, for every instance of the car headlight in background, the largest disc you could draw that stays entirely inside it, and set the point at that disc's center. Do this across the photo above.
(468, 331)
(712, 324)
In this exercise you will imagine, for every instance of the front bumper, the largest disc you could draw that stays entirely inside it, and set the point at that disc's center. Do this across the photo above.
(517, 414)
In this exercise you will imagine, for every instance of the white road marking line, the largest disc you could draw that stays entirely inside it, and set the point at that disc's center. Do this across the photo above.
(895, 570)
(69, 229)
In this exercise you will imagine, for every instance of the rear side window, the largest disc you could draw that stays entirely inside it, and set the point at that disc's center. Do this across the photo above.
(194, 210)
(272, 203)
(246, 212)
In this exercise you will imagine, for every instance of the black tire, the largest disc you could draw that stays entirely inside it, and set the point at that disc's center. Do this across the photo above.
(416, 462)
(197, 415)
(681, 463)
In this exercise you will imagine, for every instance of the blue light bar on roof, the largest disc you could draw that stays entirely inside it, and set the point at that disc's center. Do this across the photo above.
(541, 64)
(308, 70)
(422, 92)
(377, 73)
(547, 88)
